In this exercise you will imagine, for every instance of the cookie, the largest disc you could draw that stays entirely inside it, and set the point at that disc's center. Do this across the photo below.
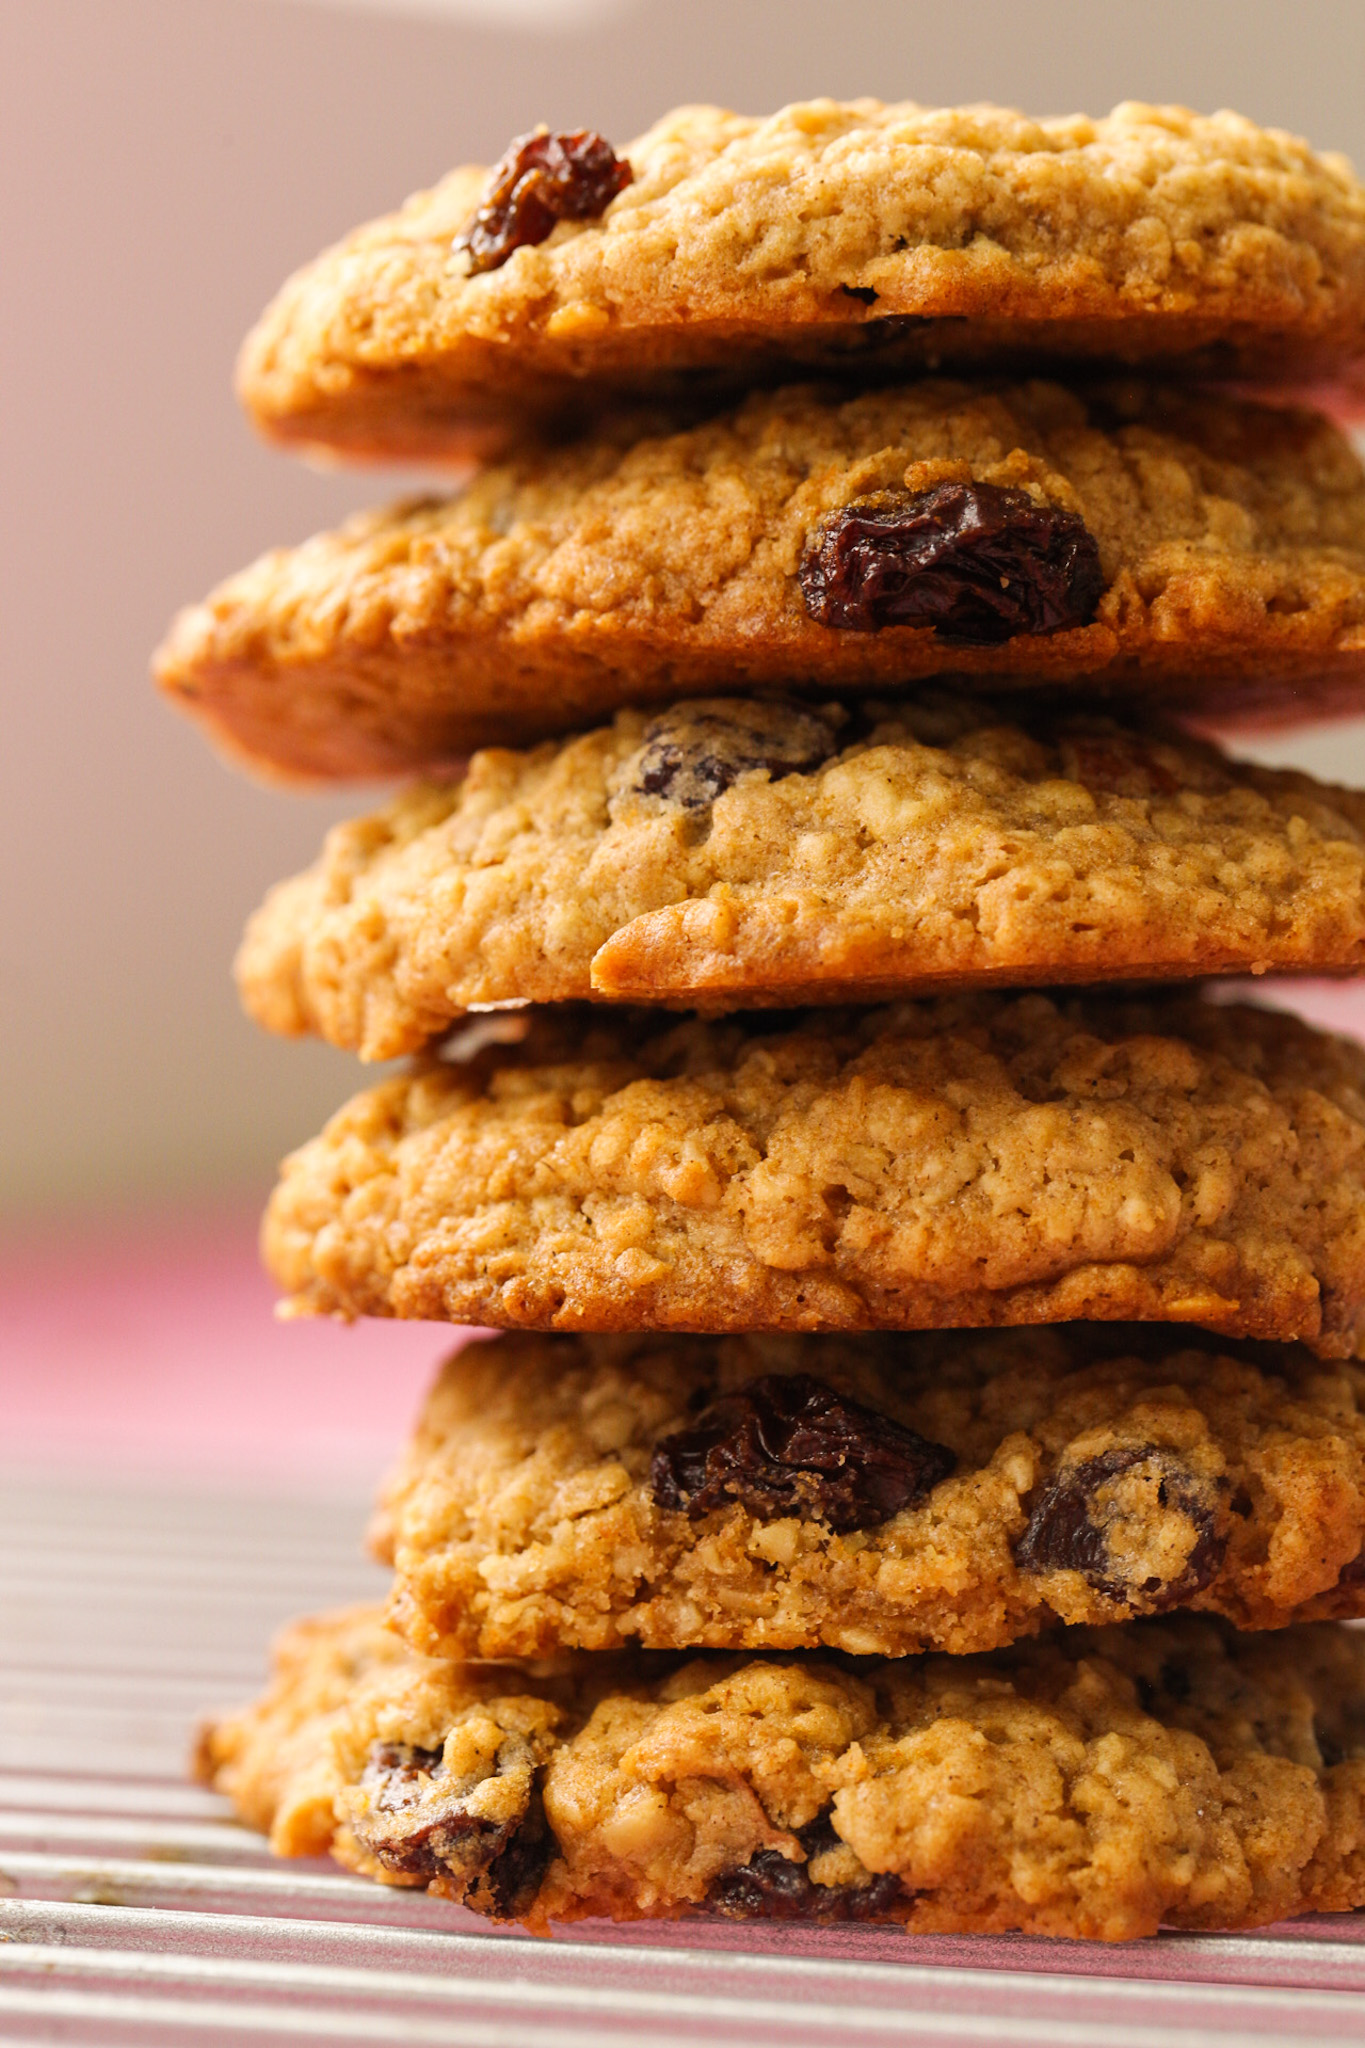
(732, 853)
(1098, 1784)
(1194, 548)
(717, 250)
(967, 1160)
(878, 1495)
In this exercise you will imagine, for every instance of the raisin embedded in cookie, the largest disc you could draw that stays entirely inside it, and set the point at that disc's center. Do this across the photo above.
(1097, 1785)
(1193, 548)
(745, 852)
(718, 251)
(879, 1495)
(968, 1160)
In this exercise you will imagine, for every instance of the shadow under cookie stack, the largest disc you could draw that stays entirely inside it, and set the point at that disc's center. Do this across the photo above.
(923, 1479)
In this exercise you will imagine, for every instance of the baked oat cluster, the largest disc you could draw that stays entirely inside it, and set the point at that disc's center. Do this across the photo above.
(920, 1476)
(1100, 1783)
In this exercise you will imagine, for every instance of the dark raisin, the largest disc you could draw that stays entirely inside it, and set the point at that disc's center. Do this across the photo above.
(771, 1887)
(1338, 1312)
(1339, 1729)
(417, 1824)
(977, 562)
(787, 1444)
(1116, 764)
(542, 179)
(1112, 1534)
(1353, 1572)
(865, 294)
(697, 750)
(1171, 1686)
(513, 1877)
(1329, 1749)
(396, 1770)
(904, 342)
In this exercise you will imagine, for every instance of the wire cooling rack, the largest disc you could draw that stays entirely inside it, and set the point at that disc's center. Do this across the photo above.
(134, 1910)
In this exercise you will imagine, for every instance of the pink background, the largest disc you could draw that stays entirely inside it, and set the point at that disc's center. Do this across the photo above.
(152, 1351)
(163, 163)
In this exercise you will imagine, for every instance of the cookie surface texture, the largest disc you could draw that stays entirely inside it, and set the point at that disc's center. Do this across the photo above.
(861, 237)
(982, 1160)
(742, 852)
(686, 1493)
(1216, 554)
(1098, 1785)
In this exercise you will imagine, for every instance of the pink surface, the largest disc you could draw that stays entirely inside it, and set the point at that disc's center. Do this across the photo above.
(1336, 1005)
(158, 1352)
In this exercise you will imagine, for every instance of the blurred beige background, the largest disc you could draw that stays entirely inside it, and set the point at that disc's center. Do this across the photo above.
(165, 163)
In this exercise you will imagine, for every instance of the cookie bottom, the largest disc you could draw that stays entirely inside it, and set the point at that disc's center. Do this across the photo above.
(1096, 1784)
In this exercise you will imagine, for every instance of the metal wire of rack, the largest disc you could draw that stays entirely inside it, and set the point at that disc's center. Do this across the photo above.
(133, 1909)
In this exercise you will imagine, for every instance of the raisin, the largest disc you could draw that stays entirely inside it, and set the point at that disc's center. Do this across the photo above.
(1330, 1749)
(1352, 1573)
(1112, 762)
(787, 1444)
(1339, 1728)
(697, 750)
(513, 1877)
(542, 179)
(1075, 1527)
(1116, 764)
(771, 1887)
(1171, 1686)
(977, 562)
(416, 1825)
(899, 344)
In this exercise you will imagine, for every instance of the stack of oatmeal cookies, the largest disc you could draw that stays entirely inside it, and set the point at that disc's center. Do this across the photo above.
(925, 1475)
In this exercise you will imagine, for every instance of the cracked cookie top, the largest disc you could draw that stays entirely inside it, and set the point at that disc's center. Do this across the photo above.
(734, 852)
(966, 1160)
(882, 1494)
(1189, 547)
(1095, 1785)
(859, 236)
